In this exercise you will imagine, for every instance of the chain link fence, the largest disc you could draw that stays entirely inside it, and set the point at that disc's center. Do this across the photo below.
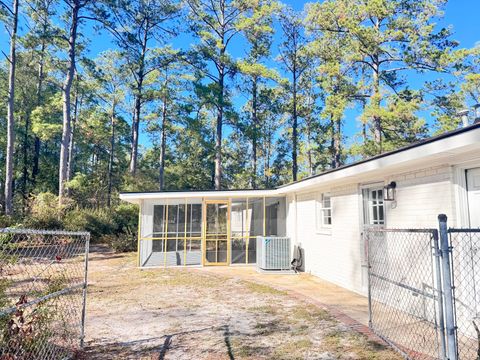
(43, 279)
(404, 290)
(424, 290)
(465, 244)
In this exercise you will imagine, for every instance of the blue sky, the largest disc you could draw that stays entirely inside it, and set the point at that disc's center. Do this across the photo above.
(462, 15)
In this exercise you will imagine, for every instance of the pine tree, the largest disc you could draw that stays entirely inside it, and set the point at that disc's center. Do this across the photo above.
(384, 39)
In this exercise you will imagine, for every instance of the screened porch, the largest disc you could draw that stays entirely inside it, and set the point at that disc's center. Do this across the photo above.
(207, 231)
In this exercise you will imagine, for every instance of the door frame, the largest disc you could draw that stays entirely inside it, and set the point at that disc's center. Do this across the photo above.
(459, 183)
(204, 232)
(363, 216)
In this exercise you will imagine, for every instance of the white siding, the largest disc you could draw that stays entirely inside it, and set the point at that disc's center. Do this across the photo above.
(333, 254)
(421, 196)
(337, 254)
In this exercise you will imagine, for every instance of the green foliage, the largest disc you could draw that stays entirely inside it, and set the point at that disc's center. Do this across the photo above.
(376, 42)
(103, 224)
(45, 212)
(122, 242)
(98, 222)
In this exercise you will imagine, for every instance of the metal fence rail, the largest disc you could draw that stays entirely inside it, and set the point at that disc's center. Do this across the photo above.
(465, 244)
(43, 278)
(404, 290)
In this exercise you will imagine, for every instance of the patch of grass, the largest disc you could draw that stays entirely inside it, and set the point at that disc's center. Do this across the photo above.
(341, 342)
(180, 277)
(309, 313)
(292, 350)
(265, 309)
(267, 328)
(241, 350)
(262, 289)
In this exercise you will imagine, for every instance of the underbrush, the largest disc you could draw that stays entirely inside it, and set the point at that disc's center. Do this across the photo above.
(115, 226)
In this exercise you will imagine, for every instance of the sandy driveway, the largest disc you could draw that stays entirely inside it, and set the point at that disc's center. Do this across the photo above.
(193, 314)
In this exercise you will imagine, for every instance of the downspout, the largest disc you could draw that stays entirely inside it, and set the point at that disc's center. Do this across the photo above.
(296, 218)
(139, 231)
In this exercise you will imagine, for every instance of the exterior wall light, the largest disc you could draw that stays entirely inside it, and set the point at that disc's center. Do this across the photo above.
(476, 107)
(389, 191)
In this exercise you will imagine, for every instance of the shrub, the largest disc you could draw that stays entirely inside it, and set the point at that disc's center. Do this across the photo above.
(121, 242)
(6, 221)
(124, 238)
(97, 222)
(45, 212)
(126, 218)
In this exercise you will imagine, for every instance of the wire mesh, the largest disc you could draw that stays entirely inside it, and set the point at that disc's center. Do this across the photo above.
(42, 293)
(465, 245)
(403, 290)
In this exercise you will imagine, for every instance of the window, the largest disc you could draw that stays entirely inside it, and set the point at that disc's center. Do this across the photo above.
(324, 211)
(374, 211)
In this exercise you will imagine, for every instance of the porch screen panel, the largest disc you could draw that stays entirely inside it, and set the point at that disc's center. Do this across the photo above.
(256, 226)
(239, 231)
(156, 239)
(193, 234)
(176, 235)
(275, 216)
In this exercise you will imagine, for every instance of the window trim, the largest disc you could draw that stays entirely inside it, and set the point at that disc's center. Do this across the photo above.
(367, 206)
(320, 226)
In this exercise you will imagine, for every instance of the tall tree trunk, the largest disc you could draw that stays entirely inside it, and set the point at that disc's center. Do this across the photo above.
(266, 165)
(255, 133)
(112, 150)
(25, 164)
(309, 150)
(71, 152)
(10, 115)
(138, 106)
(163, 139)
(294, 127)
(376, 98)
(219, 131)
(377, 121)
(336, 143)
(67, 87)
(135, 134)
(37, 143)
(71, 144)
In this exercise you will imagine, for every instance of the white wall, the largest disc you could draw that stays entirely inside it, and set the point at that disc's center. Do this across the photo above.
(337, 254)
(421, 196)
(332, 254)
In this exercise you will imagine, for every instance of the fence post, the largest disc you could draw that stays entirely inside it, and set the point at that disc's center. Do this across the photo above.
(447, 288)
(369, 286)
(84, 292)
(438, 272)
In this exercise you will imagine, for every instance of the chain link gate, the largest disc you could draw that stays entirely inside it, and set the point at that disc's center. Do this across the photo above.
(404, 299)
(43, 283)
(424, 290)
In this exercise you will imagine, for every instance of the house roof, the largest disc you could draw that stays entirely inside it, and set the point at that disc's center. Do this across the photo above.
(433, 150)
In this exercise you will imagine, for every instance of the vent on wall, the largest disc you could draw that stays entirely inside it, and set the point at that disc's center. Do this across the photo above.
(273, 253)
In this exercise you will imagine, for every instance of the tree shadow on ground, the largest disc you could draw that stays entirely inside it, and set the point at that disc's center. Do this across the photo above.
(143, 347)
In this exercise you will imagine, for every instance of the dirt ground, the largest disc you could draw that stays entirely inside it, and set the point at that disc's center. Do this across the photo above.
(192, 314)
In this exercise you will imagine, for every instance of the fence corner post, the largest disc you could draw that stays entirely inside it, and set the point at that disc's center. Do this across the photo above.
(447, 288)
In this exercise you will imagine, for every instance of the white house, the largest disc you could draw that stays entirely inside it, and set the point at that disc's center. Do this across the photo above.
(325, 213)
